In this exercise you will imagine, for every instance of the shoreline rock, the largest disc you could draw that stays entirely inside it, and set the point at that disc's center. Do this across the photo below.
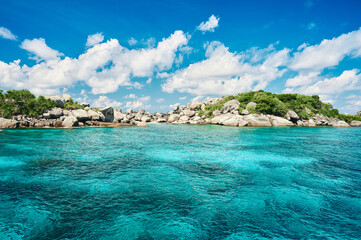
(228, 116)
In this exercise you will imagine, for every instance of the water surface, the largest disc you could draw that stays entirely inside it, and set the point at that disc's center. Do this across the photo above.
(181, 182)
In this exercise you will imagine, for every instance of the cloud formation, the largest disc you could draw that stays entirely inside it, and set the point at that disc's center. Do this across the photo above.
(104, 67)
(224, 72)
(104, 101)
(94, 39)
(209, 25)
(328, 53)
(7, 34)
(40, 50)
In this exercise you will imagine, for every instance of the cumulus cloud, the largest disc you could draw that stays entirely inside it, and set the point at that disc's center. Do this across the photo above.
(160, 100)
(104, 67)
(209, 25)
(328, 53)
(7, 34)
(353, 103)
(94, 39)
(347, 81)
(40, 50)
(225, 72)
(137, 102)
(132, 41)
(104, 101)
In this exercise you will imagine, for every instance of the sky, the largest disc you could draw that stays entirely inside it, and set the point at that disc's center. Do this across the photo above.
(155, 54)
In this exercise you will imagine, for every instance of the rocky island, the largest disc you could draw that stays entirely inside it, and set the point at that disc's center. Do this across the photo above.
(21, 109)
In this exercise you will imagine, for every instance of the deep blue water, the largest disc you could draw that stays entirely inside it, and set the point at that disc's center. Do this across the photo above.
(181, 182)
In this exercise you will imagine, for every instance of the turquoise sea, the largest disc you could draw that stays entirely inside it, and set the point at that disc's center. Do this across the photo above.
(181, 182)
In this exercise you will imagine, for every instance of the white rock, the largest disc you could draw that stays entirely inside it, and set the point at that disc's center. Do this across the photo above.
(173, 118)
(230, 106)
(70, 122)
(355, 124)
(257, 120)
(81, 115)
(279, 121)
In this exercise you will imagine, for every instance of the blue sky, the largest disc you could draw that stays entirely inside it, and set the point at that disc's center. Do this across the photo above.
(153, 54)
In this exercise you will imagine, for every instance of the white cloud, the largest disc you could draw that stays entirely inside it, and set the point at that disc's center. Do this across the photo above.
(183, 98)
(225, 73)
(104, 101)
(149, 80)
(94, 39)
(353, 103)
(160, 100)
(137, 102)
(104, 67)
(311, 26)
(209, 25)
(40, 50)
(132, 95)
(349, 80)
(328, 53)
(132, 41)
(7, 34)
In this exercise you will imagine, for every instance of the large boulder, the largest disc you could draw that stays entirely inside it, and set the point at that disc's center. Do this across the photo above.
(292, 116)
(339, 123)
(189, 113)
(108, 113)
(61, 100)
(94, 116)
(173, 118)
(257, 120)
(69, 122)
(118, 116)
(279, 121)
(230, 106)
(220, 118)
(355, 124)
(146, 119)
(81, 115)
(251, 105)
(184, 119)
(235, 121)
(229, 119)
(55, 113)
(7, 123)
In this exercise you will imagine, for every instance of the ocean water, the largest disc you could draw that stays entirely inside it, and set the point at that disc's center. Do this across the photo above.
(181, 182)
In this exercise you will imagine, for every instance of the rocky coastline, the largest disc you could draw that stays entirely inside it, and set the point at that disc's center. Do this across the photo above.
(189, 114)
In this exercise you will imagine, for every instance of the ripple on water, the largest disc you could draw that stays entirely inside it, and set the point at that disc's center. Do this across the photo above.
(180, 182)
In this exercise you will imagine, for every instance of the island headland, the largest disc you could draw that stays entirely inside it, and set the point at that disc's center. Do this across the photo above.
(21, 109)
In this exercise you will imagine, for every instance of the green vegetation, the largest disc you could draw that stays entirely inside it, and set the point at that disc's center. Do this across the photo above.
(23, 102)
(279, 104)
(72, 105)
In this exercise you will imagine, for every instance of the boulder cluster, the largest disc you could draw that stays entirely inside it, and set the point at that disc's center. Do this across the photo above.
(189, 114)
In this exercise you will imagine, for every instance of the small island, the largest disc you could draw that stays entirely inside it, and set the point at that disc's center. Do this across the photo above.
(22, 109)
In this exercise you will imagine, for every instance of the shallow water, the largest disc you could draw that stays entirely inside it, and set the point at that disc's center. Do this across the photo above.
(181, 182)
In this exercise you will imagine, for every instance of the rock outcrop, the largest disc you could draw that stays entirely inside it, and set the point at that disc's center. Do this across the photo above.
(257, 120)
(230, 106)
(279, 121)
